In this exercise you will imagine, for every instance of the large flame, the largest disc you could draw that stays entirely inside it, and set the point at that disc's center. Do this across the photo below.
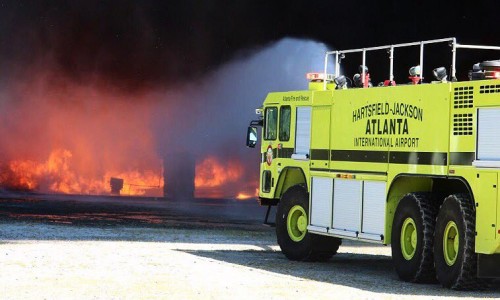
(222, 179)
(213, 173)
(68, 138)
(214, 179)
(57, 174)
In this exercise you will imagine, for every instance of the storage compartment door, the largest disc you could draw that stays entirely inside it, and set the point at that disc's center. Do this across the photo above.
(347, 206)
(321, 202)
(488, 135)
(373, 210)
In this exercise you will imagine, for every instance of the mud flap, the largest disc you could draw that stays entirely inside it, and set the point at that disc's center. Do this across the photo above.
(488, 265)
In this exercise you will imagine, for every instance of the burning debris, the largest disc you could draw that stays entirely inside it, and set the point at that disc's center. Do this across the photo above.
(116, 185)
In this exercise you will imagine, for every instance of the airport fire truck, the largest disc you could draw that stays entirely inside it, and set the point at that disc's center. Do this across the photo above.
(415, 165)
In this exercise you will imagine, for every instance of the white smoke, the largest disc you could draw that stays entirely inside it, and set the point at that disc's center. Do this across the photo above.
(214, 112)
(210, 116)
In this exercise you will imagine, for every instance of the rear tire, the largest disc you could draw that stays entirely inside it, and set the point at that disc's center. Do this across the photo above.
(413, 238)
(295, 241)
(455, 258)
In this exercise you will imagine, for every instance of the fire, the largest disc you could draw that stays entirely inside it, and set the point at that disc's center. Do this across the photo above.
(217, 179)
(244, 196)
(212, 173)
(58, 175)
(62, 137)
(139, 183)
(58, 136)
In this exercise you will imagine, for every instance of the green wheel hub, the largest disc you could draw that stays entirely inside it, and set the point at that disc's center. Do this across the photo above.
(408, 238)
(296, 223)
(450, 243)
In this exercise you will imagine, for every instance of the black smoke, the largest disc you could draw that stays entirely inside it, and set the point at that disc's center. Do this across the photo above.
(138, 44)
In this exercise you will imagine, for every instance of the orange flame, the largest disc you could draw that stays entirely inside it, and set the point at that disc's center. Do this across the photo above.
(57, 175)
(244, 196)
(212, 173)
(216, 179)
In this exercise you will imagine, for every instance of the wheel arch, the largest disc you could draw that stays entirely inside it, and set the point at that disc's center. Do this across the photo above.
(440, 186)
(290, 176)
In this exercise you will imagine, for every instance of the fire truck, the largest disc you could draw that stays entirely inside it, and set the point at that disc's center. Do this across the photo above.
(414, 165)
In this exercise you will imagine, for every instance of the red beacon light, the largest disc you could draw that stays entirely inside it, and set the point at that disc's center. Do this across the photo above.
(315, 76)
(491, 69)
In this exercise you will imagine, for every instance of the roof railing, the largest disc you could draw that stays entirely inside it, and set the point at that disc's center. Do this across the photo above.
(340, 54)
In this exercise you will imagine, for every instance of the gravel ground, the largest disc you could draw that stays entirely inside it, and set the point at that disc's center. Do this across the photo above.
(57, 261)
(87, 247)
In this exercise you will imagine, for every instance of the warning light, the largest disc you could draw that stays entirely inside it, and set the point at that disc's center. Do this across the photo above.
(415, 74)
(440, 74)
(340, 82)
(415, 71)
(346, 176)
(319, 77)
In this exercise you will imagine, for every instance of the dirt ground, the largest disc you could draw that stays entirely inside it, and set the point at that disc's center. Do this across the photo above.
(149, 249)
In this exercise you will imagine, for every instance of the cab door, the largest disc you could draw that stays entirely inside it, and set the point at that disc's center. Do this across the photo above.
(277, 146)
(269, 151)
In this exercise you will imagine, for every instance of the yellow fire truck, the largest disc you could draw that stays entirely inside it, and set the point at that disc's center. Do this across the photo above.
(414, 165)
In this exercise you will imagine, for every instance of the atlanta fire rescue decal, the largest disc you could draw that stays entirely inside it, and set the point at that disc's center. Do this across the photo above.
(387, 125)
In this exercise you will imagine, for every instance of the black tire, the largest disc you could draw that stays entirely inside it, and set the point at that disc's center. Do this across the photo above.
(461, 273)
(418, 266)
(311, 247)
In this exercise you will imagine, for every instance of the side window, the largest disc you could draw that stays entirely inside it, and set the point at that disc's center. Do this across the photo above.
(266, 181)
(285, 112)
(303, 130)
(271, 119)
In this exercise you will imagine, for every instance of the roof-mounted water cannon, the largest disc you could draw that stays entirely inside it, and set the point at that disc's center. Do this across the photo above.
(317, 79)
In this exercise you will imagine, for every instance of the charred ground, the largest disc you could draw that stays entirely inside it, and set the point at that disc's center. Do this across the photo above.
(103, 211)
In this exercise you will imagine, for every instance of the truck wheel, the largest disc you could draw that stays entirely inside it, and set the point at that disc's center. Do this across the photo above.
(455, 259)
(413, 238)
(291, 229)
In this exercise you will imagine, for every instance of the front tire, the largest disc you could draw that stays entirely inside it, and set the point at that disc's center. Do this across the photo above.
(413, 238)
(455, 259)
(295, 241)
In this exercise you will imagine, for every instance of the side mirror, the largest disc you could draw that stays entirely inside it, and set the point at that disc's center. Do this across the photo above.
(252, 137)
